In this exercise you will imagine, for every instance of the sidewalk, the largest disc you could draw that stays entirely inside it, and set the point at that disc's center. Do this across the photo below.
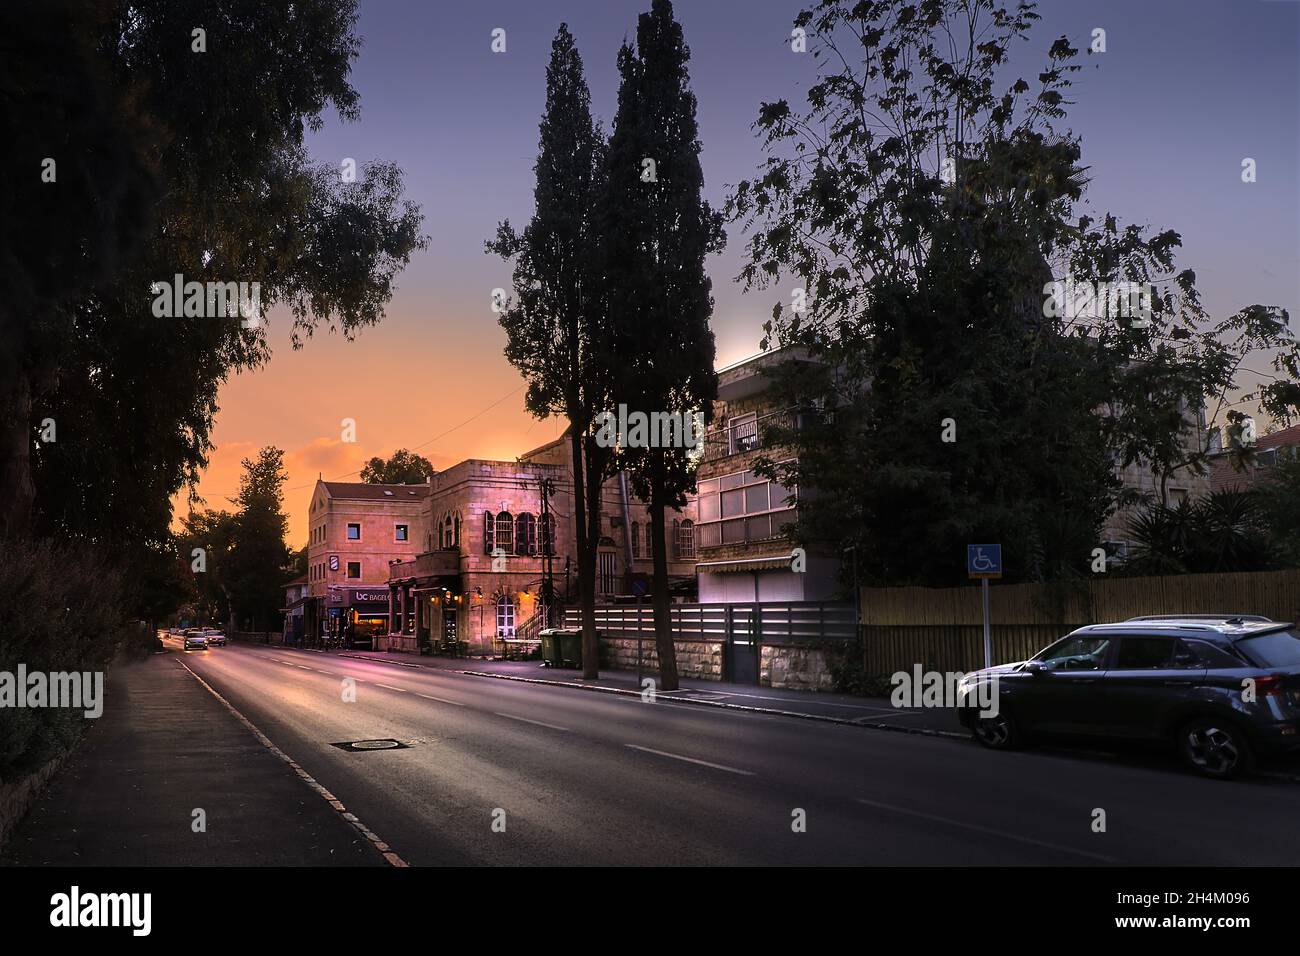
(165, 747)
(840, 708)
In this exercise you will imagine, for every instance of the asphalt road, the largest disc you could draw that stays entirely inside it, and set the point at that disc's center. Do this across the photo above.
(585, 778)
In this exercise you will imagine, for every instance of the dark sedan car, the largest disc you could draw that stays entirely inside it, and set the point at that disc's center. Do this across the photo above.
(1220, 689)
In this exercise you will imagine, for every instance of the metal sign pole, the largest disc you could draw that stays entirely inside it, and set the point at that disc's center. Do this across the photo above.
(988, 640)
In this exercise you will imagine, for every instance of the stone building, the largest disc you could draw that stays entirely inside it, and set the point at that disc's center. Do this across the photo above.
(744, 552)
(355, 530)
(462, 560)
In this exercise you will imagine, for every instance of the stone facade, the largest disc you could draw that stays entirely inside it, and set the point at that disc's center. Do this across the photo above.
(794, 667)
(459, 579)
(388, 523)
(701, 660)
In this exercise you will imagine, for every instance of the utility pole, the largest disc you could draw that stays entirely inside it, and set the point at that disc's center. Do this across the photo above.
(548, 549)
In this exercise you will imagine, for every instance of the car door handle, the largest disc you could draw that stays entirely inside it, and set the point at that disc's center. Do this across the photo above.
(1176, 683)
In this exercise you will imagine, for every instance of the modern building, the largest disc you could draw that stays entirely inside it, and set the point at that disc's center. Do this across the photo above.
(355, 530)
(745, 553)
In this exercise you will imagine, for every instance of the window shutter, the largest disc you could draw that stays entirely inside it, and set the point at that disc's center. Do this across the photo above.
(489, 532)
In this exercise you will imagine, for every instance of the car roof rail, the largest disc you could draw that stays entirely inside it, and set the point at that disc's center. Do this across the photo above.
(1226, 618)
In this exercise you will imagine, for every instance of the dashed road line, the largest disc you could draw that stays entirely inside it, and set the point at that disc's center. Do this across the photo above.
(400, 690)
(1002, 834)
(528, 721)
(384, 849)
(702, 763)
(441, 700)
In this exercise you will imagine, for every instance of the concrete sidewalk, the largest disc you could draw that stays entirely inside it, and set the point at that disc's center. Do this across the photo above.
(842, 708)
(165, 747)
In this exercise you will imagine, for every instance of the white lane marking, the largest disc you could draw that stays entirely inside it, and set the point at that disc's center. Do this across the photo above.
(388, 853)
(400, 690)
(441, 700)
(989, 830)
(537, 722)
(702, 763)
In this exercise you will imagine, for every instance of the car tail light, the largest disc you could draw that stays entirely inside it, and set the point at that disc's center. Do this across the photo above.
(1269, 686)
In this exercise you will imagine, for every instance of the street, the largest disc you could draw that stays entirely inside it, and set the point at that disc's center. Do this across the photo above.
(503, 772)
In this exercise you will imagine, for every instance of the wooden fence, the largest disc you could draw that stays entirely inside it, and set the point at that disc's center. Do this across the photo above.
(941, 628)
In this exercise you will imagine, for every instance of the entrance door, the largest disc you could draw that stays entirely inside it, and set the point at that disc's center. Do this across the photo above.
(740, 648)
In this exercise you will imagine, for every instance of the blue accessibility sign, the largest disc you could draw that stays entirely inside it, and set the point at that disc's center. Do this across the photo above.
(984, 560)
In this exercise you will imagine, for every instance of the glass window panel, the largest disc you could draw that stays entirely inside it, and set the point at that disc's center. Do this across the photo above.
(710, 508)
(755, 498)
(780, 493)
(733, 531)
(708, 486)
(733, 503)
(710, 535)
(732, 481)
(757, 528)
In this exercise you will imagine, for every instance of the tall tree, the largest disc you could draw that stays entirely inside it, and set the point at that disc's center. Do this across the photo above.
(656, 231)
(402, 468)
(554, 325)
(325, 243)
(259, 554)
(924, 200)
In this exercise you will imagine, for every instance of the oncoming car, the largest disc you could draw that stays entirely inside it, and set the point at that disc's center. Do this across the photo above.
(196, 642)
(1220, 689)
(215, 637)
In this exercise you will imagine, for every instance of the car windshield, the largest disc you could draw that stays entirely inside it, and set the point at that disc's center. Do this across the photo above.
(1076, 653)
(1278, 649)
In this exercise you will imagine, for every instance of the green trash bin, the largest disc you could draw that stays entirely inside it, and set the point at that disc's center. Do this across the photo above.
(571, 649)
(551, 646)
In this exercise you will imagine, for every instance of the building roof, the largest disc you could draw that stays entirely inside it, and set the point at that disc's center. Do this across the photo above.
(302, 579)
(1224, 476)
(365, 491)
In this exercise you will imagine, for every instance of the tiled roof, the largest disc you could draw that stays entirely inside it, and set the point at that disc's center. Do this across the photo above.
(364, 491)
(1224, 476)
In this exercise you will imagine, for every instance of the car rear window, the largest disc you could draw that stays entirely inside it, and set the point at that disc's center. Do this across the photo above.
(1277, 649)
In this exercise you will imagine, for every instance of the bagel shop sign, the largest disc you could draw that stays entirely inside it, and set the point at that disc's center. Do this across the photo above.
(351, 597)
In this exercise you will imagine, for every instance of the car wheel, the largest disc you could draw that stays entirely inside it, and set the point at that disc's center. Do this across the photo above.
(1215, 748)
(998, 732)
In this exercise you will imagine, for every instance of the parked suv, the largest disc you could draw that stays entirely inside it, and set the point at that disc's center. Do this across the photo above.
(1221, 689)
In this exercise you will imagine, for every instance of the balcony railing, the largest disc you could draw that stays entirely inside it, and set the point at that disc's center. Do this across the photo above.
(443, 562)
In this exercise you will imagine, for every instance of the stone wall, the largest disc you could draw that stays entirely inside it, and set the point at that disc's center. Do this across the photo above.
(700, 660)
(794, 667)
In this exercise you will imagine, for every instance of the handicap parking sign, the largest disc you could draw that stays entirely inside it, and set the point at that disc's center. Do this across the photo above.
(984, 560)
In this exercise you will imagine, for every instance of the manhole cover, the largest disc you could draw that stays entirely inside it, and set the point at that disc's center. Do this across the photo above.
(355, 745)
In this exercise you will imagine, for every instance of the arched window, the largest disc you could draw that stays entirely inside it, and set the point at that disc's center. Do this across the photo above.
(448, 539)
(684, 538)
(455, 531)
(505, 532)
(489, 532)
(636, 540)
(505, 616)
(649, 539)
(525, 534)
(547, 532)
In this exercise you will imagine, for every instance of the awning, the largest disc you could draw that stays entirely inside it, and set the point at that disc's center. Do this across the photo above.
(777, 562)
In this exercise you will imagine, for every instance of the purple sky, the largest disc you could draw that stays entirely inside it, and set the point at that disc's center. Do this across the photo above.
(1186, 90)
